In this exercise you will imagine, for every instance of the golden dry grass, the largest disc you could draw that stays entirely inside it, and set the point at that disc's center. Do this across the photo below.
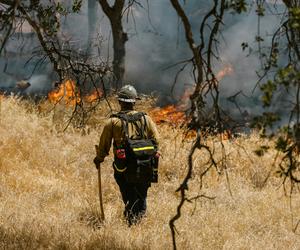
(49, 197)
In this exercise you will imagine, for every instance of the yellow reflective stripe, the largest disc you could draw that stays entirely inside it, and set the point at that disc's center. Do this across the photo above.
(118, 169)
(143, 148)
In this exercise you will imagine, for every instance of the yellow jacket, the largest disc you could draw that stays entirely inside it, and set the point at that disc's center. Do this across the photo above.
(113, 131)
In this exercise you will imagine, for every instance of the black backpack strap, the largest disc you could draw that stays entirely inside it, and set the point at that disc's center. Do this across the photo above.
(145, 123)
(142, 128)
(139, 129)
(125, 119)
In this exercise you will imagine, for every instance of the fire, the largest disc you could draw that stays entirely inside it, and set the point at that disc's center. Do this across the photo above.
(66, 92)
(169, 114)
(226, 135)
(175, 115)
(94, 96)
(227, 70)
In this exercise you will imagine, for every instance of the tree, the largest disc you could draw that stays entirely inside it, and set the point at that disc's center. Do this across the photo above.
(115, 14)
(280, 83)
(92, 17)
(67, 61)
(205, 81)
(280, 69)
(44, 21)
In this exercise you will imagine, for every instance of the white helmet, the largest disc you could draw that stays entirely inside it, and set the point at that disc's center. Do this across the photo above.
(127, 94)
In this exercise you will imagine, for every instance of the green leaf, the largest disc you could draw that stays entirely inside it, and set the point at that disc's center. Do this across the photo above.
(268, 90)
(281, 144)
(244, 45)
(238, 6)
(77, 6)
(261, 150)
(260, 10)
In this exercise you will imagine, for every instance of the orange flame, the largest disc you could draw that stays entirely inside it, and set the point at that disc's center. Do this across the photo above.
(169, 114)
(226, 135)
(227, 70)
(174, 114)
(66, 92)
(94, 96)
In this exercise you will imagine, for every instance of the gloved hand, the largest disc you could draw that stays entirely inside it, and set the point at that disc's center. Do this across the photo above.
(97, 162)
(158, 154)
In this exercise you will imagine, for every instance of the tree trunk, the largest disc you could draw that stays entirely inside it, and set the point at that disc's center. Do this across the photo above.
(119, 40)
(92, 19)
(114, 15)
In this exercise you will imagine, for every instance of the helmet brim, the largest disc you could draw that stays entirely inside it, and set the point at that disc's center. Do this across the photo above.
(126, 100)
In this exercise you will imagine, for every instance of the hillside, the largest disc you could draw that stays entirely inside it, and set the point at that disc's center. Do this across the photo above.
(49, 195)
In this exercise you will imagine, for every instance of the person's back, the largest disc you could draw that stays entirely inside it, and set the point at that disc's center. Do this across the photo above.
(113, 130)
(130, 125)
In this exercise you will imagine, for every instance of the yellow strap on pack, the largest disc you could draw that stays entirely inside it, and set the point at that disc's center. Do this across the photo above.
(118, 169)
(143, 148)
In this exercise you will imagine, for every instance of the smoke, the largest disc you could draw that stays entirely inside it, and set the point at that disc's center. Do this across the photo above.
(160, 42)
(39, 84)
(156, 41)
(246, 64)
(19, 63)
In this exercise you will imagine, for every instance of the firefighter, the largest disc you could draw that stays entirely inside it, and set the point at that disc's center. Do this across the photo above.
(134, 195)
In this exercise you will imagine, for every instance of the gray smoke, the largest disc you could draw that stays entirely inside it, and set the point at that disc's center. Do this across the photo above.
(156, 41)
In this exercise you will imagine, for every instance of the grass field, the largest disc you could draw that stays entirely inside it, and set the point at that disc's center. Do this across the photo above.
(49, 195)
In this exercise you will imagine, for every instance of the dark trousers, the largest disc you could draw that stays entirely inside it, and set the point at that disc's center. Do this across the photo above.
(134, 196)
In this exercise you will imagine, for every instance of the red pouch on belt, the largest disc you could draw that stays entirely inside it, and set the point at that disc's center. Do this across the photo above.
(121, 153)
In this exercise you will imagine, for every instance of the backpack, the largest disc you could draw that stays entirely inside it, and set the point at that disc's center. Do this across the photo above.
(137, 159)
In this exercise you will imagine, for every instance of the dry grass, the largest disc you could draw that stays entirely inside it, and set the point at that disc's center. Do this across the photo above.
(48, 191)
